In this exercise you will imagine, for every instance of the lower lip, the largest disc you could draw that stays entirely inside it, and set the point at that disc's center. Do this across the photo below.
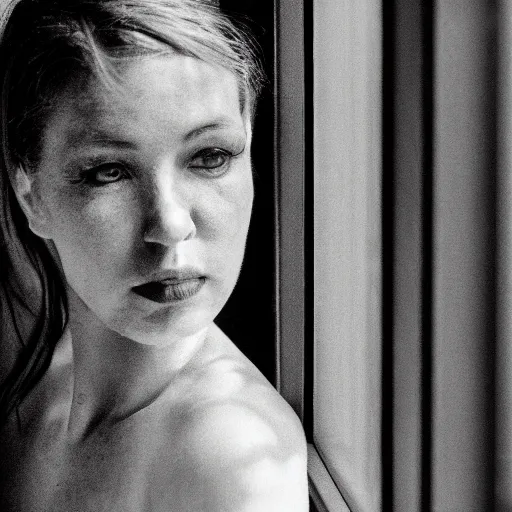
(164, 292)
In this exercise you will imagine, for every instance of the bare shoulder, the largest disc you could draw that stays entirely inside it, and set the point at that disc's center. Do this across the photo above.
(243, 438)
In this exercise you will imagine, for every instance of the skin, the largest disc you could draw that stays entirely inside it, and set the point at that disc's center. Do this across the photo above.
(149, 406)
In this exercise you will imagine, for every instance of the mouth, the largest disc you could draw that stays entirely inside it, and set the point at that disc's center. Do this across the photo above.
(173, 288)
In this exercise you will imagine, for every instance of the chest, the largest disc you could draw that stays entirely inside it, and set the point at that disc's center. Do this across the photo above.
(112, 470)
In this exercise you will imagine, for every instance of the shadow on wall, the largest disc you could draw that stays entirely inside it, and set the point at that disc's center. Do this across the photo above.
(249, 316)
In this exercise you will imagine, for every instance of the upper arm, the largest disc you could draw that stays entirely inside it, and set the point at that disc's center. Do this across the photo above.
(273, 484)
(249, 460)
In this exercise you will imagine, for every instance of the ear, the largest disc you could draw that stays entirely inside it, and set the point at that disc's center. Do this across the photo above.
(30, 202)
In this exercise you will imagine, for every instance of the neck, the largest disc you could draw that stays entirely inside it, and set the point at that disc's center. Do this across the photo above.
(114, 377)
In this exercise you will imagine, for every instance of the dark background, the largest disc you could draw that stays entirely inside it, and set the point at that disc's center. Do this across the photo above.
(249, 316)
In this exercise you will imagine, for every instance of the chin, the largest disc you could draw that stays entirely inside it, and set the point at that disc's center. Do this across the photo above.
(164, 328)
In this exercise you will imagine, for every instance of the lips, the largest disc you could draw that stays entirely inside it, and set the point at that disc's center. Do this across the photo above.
(171, 287)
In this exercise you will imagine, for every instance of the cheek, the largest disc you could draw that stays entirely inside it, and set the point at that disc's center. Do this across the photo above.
(103, 236)
(228, 212)
(98, 231)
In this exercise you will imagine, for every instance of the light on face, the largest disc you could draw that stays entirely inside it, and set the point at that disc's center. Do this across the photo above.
(144, 182)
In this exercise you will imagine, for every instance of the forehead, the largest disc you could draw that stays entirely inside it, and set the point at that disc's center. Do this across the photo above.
(165, 95)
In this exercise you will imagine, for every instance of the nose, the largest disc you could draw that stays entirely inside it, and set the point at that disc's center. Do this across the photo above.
(170, 220)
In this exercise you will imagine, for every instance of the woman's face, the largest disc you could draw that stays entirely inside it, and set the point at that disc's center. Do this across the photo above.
(147, 193)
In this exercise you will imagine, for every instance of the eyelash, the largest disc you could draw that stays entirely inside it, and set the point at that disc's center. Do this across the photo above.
(214, 170)
(90, 176)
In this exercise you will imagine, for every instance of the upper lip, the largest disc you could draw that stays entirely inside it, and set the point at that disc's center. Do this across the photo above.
(177, 274)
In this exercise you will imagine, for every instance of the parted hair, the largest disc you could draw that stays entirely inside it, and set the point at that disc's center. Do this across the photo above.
(45, 45)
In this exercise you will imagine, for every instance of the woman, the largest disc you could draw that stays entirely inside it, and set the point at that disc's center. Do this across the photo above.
(127, 193)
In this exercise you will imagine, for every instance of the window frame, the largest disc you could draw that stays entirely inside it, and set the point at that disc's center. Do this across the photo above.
(431, 52)
(294, 139)
(503, 487)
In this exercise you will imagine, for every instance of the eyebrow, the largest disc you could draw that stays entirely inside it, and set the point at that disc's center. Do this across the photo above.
(99, 138)
(216, 125)
(108, 139)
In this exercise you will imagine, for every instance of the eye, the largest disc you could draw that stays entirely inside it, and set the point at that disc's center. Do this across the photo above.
(212, 160)
(105, 174)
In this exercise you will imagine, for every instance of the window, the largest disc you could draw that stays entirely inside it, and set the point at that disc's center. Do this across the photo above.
(329, 166)
(347, 246)
(386, 189)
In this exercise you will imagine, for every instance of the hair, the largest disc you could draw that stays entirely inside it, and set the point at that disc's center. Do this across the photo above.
(45, 45)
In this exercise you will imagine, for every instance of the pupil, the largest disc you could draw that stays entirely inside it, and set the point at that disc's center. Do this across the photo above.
(213, 159)
(109, 174)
